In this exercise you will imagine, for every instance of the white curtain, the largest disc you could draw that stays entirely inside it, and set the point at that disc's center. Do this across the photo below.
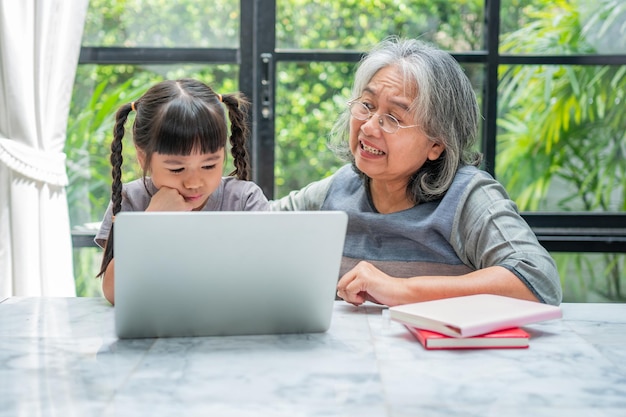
(39, 48)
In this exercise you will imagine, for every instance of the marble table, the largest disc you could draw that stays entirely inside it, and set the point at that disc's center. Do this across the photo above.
(60, 357)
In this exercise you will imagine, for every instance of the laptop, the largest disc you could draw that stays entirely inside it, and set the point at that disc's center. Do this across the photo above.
(183, 274)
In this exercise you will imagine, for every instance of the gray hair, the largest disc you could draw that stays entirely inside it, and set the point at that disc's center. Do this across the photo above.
(445, 107)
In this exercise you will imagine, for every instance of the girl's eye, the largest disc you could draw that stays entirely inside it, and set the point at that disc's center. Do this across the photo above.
(208, 167)
(176, 171)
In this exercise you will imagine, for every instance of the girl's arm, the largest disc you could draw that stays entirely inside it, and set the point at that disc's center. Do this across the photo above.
(108, 282)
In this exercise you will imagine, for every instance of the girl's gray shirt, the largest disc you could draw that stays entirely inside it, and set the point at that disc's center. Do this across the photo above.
(474, 226)
(231, 195)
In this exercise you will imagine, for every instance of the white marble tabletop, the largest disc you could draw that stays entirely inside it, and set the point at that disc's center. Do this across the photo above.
(60, 357)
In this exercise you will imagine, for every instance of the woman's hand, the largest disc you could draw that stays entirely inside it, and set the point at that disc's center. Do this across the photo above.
(365, 282)
(168, 199)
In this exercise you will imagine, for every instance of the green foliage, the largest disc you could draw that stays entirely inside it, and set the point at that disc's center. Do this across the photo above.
(87, 148)
(561, 127)
(592, 277)
(562, 137)
(561, 141)
(162, 23)
(359, 24)
(306, 112)
(86, 261)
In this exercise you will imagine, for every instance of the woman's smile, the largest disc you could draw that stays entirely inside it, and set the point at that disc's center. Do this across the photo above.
(370, 149)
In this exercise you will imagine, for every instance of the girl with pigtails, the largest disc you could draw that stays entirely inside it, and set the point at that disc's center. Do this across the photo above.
(180, 133)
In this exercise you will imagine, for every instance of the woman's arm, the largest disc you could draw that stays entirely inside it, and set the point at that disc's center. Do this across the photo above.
(488, 231)
(365, 282)
(311, 197)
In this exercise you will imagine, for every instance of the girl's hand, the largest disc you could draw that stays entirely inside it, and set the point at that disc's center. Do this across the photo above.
(168, 199)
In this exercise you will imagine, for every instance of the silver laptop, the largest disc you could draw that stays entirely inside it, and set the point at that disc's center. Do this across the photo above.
(226, 273)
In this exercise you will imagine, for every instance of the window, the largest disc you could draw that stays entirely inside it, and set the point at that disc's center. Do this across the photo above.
(550, 75)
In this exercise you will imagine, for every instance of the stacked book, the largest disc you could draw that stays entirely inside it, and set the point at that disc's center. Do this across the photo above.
(474, 321)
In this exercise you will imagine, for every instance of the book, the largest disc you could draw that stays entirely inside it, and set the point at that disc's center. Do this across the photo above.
(473, 315)
(514, 338)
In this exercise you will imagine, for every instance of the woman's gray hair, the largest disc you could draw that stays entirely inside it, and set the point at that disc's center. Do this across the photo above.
(445, 107)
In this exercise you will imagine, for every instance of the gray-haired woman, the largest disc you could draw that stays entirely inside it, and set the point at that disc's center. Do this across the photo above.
(425, 222)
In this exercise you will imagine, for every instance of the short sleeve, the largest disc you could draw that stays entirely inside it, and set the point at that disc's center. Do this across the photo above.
(488, 231)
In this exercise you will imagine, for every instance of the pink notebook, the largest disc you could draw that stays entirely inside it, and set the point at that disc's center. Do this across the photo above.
(473, 315)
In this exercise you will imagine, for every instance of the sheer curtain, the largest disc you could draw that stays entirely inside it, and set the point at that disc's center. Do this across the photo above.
(39, 48)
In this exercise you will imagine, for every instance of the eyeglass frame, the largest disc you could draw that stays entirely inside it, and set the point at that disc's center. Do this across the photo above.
(381, 121)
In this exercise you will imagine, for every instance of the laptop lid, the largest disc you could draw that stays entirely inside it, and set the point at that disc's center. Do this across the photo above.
(226, 273)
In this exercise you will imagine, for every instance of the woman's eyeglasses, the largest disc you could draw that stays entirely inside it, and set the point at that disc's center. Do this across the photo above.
(387, 122)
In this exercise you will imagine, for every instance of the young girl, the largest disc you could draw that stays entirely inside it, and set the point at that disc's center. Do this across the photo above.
(180, 133)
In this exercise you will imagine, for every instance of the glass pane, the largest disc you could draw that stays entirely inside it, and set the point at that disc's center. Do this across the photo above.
(358, 24)
(549, 27)
(86, 265)
(309, 98)
(157, 23)
(592, 277)
(476, 74)
(561, 140)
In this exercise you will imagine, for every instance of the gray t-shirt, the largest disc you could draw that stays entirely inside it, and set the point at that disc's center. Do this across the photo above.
(231, 195)
(474, 226)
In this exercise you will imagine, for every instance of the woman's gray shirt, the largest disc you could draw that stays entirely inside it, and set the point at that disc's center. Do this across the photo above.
(231, 195)
(474, 226)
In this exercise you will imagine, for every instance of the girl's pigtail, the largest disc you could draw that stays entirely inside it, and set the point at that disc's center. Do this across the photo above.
(116, 173)
(238, 107)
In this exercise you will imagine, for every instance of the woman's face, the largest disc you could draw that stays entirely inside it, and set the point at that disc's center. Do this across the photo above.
(194, 176)
(389, 157)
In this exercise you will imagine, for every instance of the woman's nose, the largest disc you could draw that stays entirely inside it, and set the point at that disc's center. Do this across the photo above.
(374, 122)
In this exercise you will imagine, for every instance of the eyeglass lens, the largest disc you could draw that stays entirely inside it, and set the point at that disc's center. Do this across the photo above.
(360, 112)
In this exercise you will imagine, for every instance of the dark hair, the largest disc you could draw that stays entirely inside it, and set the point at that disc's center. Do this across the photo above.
(445, 105)
(177, 118)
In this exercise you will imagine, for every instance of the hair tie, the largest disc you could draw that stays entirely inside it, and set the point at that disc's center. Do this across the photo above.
(113, 218)
(219, 97)
(132, 106)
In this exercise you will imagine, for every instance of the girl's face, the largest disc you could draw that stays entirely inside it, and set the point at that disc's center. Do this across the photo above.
(389, 157)
(194, 176)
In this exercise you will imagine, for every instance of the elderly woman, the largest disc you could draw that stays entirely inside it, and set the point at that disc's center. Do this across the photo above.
(424, 221)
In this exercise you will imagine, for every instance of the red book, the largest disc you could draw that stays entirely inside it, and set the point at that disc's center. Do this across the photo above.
(502, 339)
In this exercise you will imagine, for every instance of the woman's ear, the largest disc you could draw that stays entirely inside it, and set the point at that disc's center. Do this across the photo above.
(436, 149)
